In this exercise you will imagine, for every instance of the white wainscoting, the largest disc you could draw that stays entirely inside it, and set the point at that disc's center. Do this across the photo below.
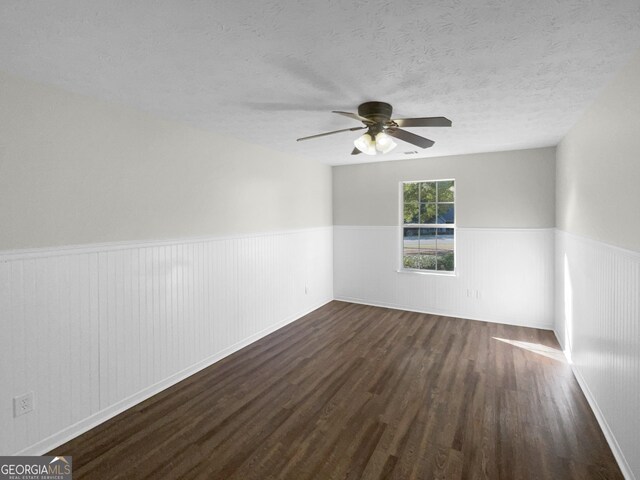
(502, 275)
(93, 330)
(598, 326)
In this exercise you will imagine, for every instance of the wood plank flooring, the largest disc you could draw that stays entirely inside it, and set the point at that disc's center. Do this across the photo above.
(353, 391)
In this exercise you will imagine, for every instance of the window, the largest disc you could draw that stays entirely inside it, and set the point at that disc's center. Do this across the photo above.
(428, 225)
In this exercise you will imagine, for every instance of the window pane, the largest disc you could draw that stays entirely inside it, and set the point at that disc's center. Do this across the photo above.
(411, 192)
(411, 213)
(427, 213)
(423, 262)
(446, 213)
(428, 192)
(410, 261)
(445, 239)
(446, 191)
(411, 241)
(446, 261)
(445, 243)
(428, 244)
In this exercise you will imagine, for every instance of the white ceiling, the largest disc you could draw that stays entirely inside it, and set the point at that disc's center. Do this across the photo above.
(509, 74)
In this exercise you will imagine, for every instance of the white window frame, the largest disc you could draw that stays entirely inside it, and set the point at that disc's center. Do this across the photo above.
(401, 267)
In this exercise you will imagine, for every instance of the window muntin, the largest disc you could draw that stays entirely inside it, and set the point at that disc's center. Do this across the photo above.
(428, 225)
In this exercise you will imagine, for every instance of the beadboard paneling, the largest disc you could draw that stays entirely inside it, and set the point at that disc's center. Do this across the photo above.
(93, 330)
(502, 275)
(597, 323)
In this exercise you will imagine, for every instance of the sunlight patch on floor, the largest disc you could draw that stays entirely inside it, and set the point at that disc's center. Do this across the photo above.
(538, 348)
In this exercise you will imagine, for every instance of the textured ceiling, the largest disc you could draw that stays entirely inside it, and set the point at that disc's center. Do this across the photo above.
(509, 74)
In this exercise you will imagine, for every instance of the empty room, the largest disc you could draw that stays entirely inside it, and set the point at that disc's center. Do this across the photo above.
(319, 240)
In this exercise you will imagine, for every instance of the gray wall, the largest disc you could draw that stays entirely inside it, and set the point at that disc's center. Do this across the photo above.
(76, 170)
(598, 166)
(514, 189)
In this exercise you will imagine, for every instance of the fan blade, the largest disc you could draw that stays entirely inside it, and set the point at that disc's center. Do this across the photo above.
(410, 137)
(423, 122)
(355, 151)
(331, 133)
(355, 116)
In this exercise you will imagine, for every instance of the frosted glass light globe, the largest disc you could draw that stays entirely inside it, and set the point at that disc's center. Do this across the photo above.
(384, 143)
(365, 144)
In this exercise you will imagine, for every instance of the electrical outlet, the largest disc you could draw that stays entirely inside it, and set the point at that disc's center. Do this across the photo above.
(23, 404)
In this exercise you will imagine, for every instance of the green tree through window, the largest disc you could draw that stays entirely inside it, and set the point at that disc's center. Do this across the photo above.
(428, 230)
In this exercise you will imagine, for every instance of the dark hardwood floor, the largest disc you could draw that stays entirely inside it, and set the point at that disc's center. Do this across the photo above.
(352, 391)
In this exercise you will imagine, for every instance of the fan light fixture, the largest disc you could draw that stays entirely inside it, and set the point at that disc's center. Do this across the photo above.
(382, 129)
(383, 143)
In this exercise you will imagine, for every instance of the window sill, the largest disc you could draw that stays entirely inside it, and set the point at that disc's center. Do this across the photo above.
(427, 272)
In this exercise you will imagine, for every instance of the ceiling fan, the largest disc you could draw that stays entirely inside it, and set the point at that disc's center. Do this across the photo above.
(376, 117)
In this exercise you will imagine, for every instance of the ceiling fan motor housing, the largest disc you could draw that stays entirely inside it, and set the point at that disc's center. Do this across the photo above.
(378, 112)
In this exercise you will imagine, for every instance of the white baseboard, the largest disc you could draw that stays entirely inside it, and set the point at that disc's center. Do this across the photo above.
(604, 426)
(440, 312)
(59, 438)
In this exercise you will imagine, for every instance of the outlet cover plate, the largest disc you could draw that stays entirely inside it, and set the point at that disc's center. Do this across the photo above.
(23, 404)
